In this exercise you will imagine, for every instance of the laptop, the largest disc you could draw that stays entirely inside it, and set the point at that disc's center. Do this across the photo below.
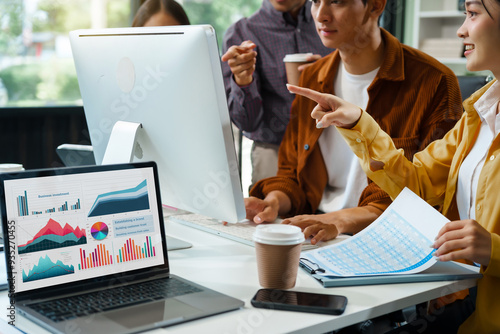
(88, 251)
(75, 155)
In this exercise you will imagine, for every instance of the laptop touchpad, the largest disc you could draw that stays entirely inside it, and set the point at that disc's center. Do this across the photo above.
(151, 313)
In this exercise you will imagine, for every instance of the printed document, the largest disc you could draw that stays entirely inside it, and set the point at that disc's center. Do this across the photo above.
(398, 242)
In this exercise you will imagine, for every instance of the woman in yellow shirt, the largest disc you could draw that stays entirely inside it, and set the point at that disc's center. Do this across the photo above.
(460, 172)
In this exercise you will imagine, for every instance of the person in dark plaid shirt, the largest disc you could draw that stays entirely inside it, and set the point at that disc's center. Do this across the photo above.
(255, 78)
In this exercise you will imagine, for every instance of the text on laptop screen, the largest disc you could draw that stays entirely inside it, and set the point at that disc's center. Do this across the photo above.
(79, 226)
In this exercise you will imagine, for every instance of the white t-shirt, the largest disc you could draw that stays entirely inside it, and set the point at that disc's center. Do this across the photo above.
(346, 178)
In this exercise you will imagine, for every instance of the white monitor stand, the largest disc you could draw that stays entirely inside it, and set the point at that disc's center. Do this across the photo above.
(120, 149)
(121, 144)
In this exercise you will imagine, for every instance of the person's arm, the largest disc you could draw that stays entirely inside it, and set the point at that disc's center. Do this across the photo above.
(426, 175)
(493, 268)
(327, 226)
(244, 100)
(379, 158)
(268, 209)
(437, 118)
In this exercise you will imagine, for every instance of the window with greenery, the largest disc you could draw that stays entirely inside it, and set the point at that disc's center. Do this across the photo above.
(219, 13)
(36, 66)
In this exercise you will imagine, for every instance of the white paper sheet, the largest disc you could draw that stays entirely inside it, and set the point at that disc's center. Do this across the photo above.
(398, 242)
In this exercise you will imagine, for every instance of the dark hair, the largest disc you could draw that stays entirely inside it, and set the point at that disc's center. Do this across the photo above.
(151, 7)
(486, 8)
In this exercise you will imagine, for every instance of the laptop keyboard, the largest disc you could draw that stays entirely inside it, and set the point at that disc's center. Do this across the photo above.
(114, 298)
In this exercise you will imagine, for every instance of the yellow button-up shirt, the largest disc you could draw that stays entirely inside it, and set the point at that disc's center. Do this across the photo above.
(433, 176)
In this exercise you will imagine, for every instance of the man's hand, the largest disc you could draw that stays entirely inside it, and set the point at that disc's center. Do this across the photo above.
(463, 239)
(261, 210)
(241, 59)
(310, 59)
(328, 226)
(315, 229)
(331, 110)
(326, 218)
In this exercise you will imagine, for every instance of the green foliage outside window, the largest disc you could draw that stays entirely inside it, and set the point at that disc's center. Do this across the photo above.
(32, 71)
(219, 13)
(10, 26)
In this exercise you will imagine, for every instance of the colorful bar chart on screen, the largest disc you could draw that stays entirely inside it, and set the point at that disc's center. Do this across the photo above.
(22, 205)
(46, 268)
(23, 210)
(127, 200)
(98, 258)
(52, 236)
(63, 207)
(130, 251)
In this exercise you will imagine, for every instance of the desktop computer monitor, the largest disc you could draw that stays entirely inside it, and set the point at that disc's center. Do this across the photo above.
(157, 93)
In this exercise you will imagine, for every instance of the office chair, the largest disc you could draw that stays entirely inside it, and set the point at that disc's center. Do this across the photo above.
(469, 84)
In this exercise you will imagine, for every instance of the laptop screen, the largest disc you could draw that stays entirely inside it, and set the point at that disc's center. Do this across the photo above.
(72, 224)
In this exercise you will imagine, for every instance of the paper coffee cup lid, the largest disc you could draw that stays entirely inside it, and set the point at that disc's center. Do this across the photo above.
(278, 234)
(296, 57)
(10, 168)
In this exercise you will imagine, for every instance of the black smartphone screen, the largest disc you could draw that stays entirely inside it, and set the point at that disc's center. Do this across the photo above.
(299, 301)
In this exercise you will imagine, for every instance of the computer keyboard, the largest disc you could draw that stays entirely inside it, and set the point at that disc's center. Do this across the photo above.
(110, 299)
(240, 232)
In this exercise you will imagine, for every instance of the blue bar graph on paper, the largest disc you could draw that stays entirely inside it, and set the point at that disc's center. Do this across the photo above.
(132, 199)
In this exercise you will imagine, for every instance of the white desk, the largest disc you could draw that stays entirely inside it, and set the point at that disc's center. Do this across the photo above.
(230, 267)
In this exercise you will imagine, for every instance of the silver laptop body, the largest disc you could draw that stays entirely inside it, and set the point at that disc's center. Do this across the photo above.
(95, 231)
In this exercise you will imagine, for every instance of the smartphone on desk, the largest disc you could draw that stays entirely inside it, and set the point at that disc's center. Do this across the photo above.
(299, 301)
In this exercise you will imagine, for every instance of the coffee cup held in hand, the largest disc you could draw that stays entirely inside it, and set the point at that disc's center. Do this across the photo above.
(292, 63)
(278, 250)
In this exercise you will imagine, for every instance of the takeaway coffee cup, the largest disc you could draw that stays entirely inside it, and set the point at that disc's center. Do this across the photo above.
(5, 168)
(278, 249)
(292, 63)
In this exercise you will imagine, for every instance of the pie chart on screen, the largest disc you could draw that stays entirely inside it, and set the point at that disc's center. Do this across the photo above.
(99, 231)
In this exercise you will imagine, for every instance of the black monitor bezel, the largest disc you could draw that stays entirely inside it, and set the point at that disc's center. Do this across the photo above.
(112, 279)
